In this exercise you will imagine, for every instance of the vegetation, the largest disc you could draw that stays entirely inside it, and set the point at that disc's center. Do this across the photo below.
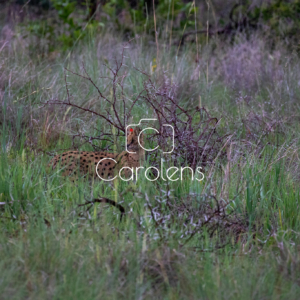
(232, 96)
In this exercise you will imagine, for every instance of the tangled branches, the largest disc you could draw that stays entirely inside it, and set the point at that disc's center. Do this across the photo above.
(193, 130)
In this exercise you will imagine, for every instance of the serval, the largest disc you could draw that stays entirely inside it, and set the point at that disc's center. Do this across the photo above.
(108, 164)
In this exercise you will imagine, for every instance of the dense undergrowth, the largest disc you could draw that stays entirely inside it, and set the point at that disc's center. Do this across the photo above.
(234, 235)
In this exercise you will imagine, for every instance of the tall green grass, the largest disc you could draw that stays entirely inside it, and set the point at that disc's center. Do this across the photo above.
(52, 248)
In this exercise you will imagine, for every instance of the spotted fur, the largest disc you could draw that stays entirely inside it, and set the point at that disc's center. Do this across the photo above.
(76, 163)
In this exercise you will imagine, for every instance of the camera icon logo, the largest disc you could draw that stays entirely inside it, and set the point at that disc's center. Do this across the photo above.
(149, 128)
